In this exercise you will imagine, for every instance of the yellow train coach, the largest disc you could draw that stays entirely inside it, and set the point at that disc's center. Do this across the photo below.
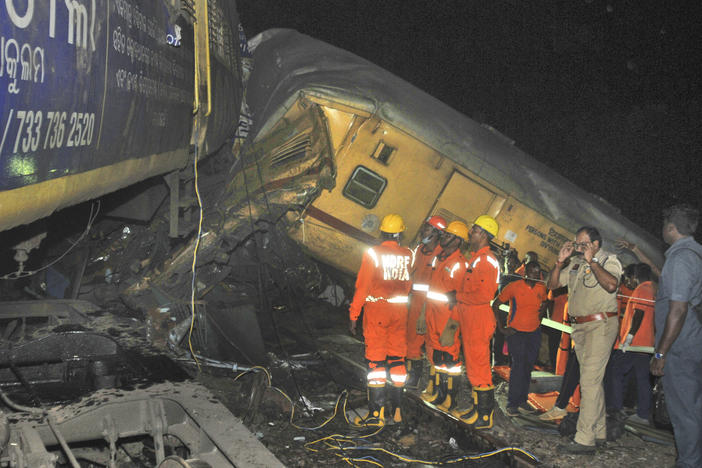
(380, 145)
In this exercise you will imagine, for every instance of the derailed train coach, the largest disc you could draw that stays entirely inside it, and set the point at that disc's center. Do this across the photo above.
(100, 94)
(380, 145)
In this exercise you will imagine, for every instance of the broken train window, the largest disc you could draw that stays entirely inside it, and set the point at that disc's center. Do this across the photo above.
(383, 152)
(364, 187)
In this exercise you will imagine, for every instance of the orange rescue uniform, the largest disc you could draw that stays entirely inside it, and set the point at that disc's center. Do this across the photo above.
(623, 296)
(475, 316)
(382, 286)
(524, 304)
(420, 273)
(447, 275)
(642, 298)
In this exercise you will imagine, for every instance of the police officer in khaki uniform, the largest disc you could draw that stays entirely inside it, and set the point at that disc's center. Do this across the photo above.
(592, 276)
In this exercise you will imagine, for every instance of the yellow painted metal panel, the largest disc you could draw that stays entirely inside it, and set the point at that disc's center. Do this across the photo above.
(339, 124)
(25, 204)
(464, 200)
(526, 229)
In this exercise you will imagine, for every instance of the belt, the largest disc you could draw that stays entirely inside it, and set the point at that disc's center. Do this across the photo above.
(593, 317)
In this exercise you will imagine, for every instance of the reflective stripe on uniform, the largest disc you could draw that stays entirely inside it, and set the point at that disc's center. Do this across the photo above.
(371, 253)
(435, 296)
(454, 370)
(454, 268)
(376, 375)
(493, 262)
(392, 300)
(398, 300)
(420, 287)
(398, 378)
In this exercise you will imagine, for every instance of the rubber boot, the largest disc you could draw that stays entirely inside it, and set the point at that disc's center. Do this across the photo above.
(376, 408)
(481, 416)
(429, 393)
(415, 367)
(395, 403)
(441, 384)
(452, 386)
(469, 406)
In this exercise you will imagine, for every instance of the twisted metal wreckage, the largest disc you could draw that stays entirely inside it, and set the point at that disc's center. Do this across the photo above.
(333, 143)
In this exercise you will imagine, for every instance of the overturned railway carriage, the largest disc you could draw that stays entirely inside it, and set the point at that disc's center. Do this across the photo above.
(100, 94)
(391, 147)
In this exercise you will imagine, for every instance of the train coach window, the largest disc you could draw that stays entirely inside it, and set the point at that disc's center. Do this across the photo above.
(383, 153)
(364, 187)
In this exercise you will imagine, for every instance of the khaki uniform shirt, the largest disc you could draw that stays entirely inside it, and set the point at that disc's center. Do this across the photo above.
(585, 295)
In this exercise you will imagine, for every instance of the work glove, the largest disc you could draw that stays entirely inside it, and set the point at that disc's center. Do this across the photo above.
(352, 327)
(451, 295)
(447, 336)
(422, 321)
(627, 342)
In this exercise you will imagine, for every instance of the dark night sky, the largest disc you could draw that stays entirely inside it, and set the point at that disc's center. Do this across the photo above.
(606, 93)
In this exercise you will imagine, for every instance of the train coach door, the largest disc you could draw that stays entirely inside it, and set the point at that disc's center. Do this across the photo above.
(463, 199)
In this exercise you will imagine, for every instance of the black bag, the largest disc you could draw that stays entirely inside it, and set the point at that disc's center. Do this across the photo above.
(660, 413)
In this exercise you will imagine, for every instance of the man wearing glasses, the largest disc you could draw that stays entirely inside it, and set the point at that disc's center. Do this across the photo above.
(592, 276)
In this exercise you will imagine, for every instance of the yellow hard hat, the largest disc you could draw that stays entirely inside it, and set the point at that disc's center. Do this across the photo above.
(459, 229)
(488, 223)
(392, 224)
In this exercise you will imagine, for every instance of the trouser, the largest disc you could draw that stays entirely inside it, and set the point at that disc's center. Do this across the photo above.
(593, 345)
(414, 340)
(437, 316)
(564, 350)
(554, 340)
(619, 367)
(571, 379)
(524, 349)
(682, 384)
(384, 330)
(498, 344)
(477, 327)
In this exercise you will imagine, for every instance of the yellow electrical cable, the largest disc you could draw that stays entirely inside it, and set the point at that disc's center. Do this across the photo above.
(339, 439)
(197, 245)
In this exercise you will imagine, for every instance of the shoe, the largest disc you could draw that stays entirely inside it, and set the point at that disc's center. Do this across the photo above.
(512, 411)
(429, 393)
(526, 408)
(577, 449)
(449, 403)
(636, 419)
(600, 442)
(394, 404)
(415, 368)
(481, 416)
(467, 407)
(553, 414)
(376, 408)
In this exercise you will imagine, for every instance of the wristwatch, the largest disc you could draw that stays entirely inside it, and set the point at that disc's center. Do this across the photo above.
(659, 355)
(595, 260)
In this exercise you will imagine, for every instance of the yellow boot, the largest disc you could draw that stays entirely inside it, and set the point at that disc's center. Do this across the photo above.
(376, 408)
(429, 393)
(481, 416)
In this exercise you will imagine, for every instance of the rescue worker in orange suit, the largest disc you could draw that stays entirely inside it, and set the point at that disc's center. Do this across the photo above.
(636, 329)
(559, 299)
(420, 273)
(523, 331)
(624, 293)
(449, 269)
(477, 322)
(382, 289)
